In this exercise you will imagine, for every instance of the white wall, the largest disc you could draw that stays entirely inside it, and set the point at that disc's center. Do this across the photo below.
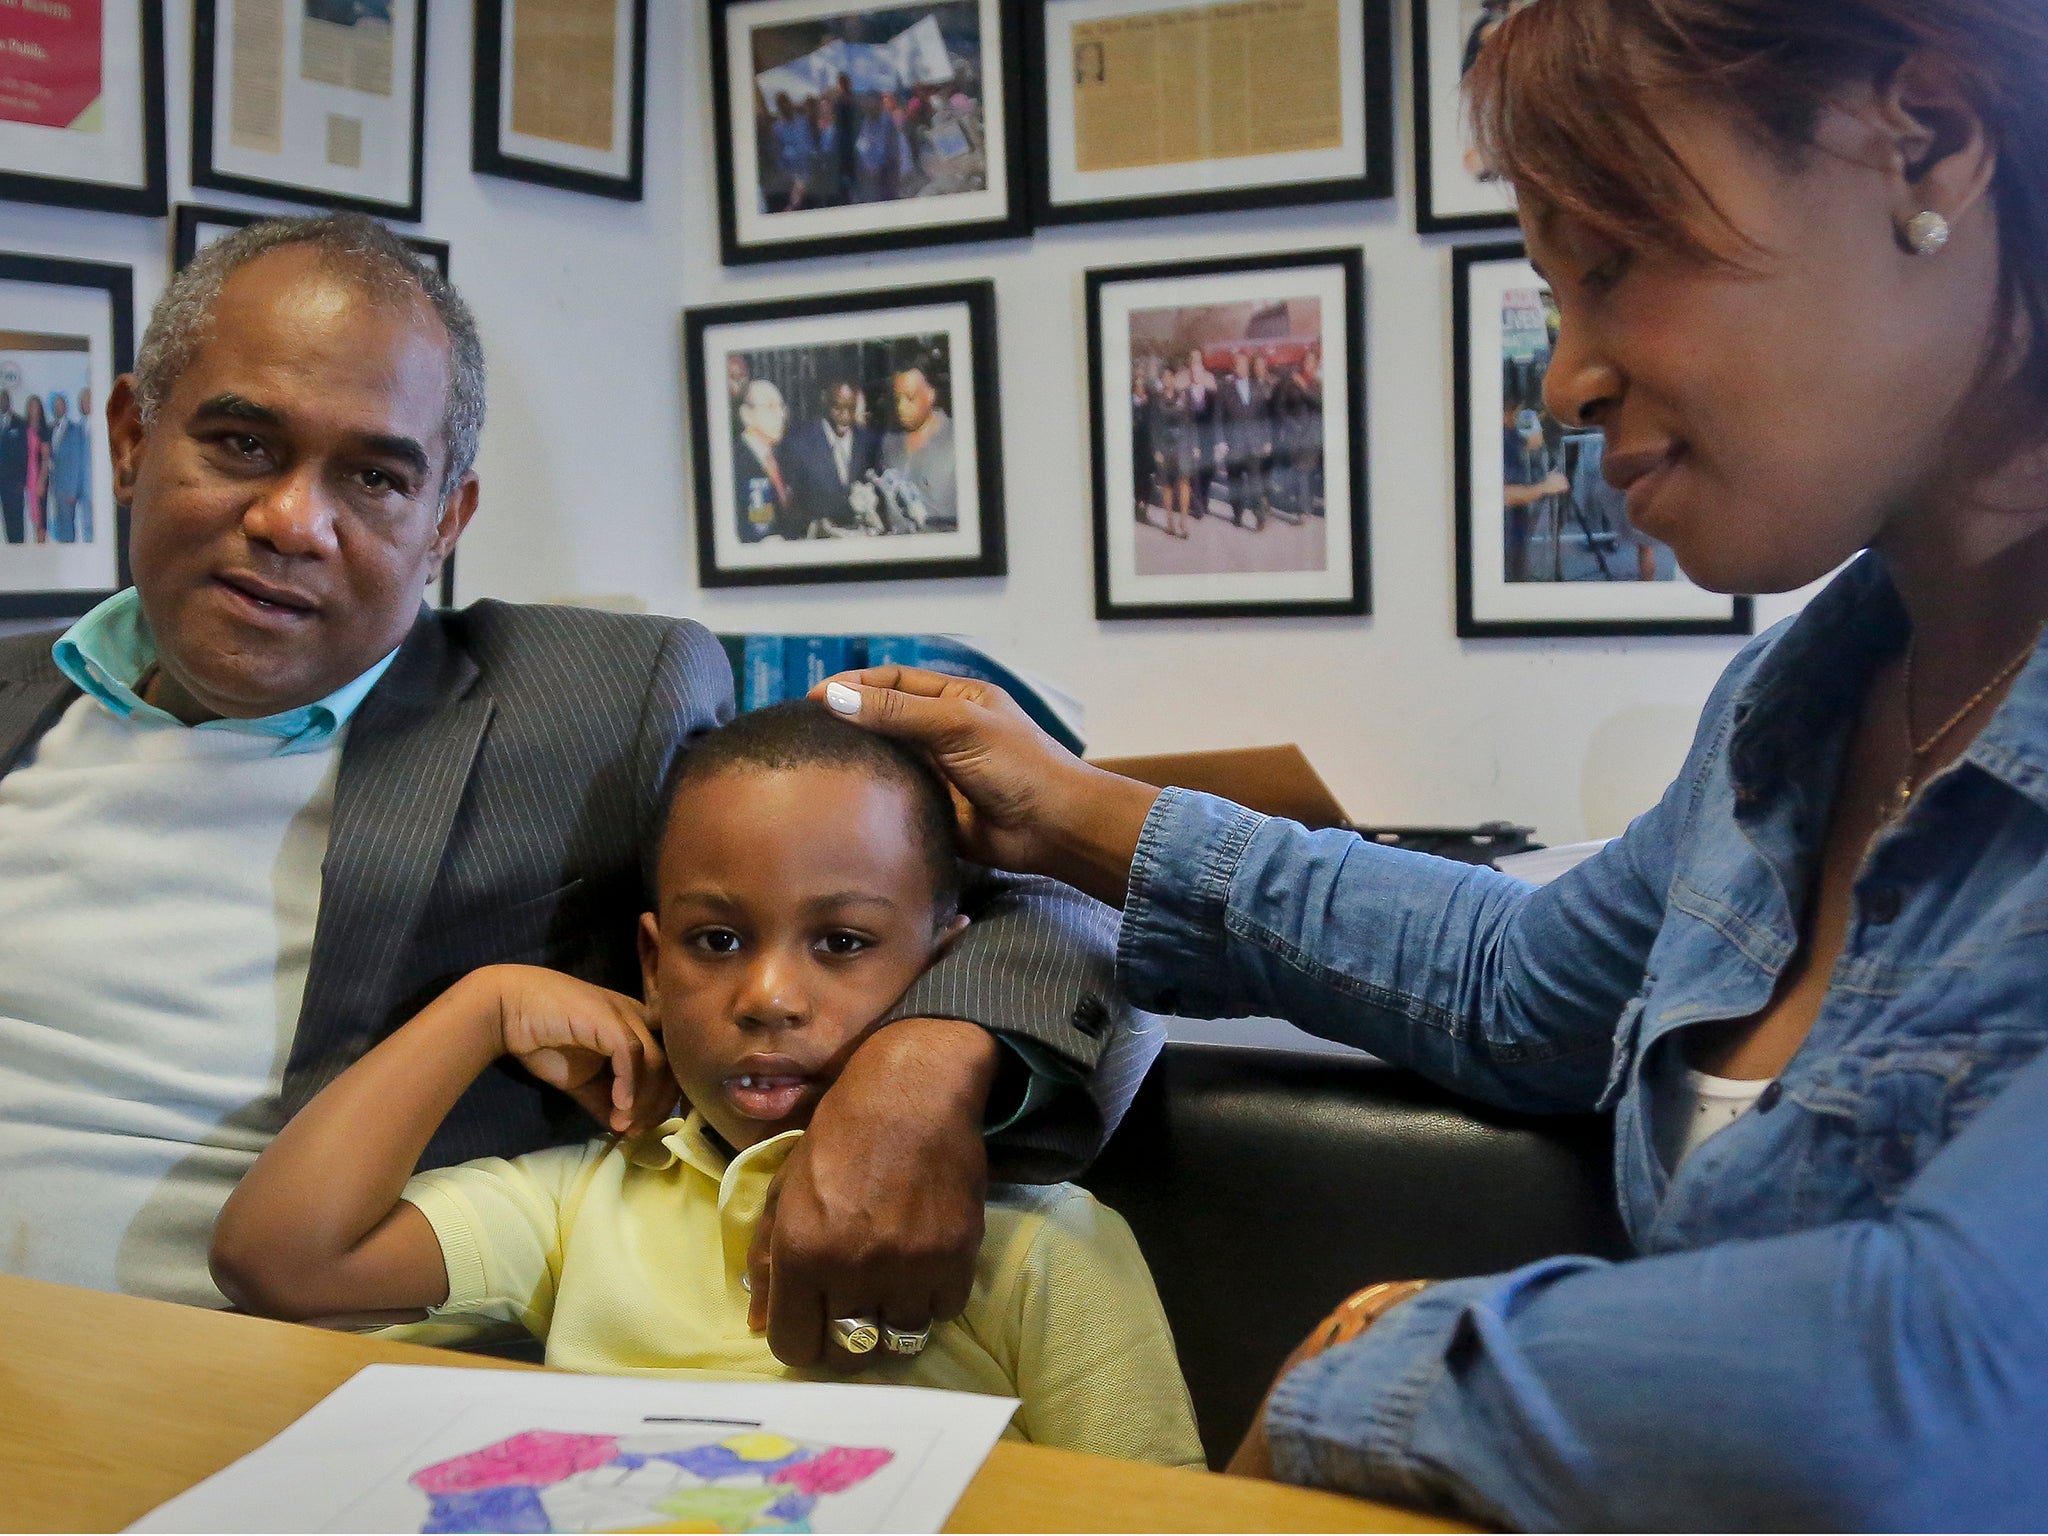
(586, 484)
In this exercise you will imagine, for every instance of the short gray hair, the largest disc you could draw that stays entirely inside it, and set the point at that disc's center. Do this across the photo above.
(386, 269)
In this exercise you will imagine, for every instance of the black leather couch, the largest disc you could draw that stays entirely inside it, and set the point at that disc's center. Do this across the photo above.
(1265, 1186)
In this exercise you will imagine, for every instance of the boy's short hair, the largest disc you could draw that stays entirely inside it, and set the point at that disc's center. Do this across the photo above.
(803, 734)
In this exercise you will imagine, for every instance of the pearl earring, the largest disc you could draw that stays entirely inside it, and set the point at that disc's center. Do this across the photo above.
(1926, 233)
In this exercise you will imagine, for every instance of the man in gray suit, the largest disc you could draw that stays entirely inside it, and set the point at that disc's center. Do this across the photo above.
(260, 807)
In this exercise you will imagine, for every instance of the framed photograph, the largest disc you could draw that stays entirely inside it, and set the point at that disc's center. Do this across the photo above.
(845, 127)
(1545, 546)
(82, 105)
(1452, 189)
(312, 101)
(1228, 403)
(67, 331)
(561, 93)
(1148, 107)
(196, 227)
(849, 438)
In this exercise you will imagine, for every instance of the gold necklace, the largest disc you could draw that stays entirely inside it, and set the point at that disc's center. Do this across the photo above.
(1918, 752)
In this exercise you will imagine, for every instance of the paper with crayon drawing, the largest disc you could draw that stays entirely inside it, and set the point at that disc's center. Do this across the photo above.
(432, 1448)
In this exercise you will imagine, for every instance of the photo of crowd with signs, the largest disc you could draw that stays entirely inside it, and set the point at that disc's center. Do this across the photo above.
(46, 431)
(1560, 521)
(870, 107)
(1227, 438)
(846, 441)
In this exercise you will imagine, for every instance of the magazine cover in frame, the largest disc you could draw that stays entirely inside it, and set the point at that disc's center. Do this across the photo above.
(844, 126)
(67, 331)
(82, 104)
(1228, 444)
(847, 438)
(1452, 188)
(1149, 107)
(1545, 546)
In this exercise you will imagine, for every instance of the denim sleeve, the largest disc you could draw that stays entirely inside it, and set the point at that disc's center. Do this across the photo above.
(1884, 1374)
(1498, 989)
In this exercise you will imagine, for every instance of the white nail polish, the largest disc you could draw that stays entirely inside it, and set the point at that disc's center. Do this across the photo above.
(841, 699)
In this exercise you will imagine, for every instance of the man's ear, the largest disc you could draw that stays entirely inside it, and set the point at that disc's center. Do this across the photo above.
(457, 508)
(649, 935)
(949, 931)
(124, 436)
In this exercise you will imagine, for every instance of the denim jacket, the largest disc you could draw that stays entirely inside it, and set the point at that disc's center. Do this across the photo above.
(1838, 1317)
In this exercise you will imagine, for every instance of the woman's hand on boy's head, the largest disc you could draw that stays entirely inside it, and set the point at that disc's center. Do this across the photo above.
(596, 1045)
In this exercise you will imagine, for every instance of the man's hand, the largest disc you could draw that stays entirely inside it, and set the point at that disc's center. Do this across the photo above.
(593, 1044)
(1025, 803)
(878, 1212)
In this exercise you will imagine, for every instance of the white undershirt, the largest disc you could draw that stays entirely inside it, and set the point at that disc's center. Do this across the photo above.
(159, 888)
(1700, 1106)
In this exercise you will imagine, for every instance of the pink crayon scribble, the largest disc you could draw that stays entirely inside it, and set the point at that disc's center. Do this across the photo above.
(834, 1471)
(538, 1459)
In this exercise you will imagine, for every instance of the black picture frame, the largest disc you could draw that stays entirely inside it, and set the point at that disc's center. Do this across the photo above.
(118, 284)
(205, 23)
(1376, 181)
(190, 217)
(489, 157)
(979, 301)
(1428, 221)
(1472, 622)
(1012, 222)
(149, 199)
(1350, 261)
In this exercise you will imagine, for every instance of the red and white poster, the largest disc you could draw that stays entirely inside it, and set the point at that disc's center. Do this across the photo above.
(49, 61)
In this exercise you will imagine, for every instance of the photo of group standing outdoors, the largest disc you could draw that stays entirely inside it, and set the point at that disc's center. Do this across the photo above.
(844, 440)
(1227, 437)
(1562, 520)
(45, 439)
(871, 107)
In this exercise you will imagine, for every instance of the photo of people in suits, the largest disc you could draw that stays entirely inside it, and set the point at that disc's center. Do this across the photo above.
(1227, 437)
(1561, 520)
(869, 106)
(844, 440)
(45, 439)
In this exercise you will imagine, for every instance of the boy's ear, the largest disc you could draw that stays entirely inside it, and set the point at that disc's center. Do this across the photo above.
(649, 936)
(949, 930)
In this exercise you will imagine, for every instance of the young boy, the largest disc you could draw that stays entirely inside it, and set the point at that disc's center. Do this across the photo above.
(806, 876)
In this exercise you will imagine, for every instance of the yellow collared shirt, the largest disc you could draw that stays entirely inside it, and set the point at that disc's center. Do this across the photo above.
(627, 1257)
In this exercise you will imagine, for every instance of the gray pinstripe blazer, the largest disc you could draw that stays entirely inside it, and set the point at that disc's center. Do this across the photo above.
(496, 790)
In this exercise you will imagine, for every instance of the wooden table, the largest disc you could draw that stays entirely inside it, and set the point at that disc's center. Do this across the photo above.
(110, 1405)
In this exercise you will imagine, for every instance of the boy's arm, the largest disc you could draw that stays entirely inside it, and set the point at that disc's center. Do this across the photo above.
(317, 1227)
(1093, 1357)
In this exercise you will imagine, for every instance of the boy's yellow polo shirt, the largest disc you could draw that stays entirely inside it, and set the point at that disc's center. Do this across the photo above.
(627, 1256)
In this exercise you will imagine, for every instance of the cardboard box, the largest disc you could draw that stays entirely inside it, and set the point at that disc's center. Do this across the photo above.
(1276, 781)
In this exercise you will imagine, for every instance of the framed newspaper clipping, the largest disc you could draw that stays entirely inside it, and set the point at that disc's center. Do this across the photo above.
(561, 93)
(67, 331)
(1545, 545)
(845, 126)
(312, 101)
(82, 104)
(1228, 403)
(1148, 107)
(1452, 189)
(852, 437)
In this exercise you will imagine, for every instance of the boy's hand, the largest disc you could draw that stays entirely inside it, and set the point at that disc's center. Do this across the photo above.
(593, 1044)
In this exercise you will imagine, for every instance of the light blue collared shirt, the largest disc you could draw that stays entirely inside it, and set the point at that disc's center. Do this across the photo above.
(109, 652)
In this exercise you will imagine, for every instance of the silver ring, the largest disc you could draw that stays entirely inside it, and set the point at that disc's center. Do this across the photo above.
(905, 1341)
(855, 1335)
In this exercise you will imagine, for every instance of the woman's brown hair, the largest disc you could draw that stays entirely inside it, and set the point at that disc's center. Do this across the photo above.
(1563, 97)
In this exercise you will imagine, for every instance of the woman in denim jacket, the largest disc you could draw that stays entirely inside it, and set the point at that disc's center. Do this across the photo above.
(1800, 248)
